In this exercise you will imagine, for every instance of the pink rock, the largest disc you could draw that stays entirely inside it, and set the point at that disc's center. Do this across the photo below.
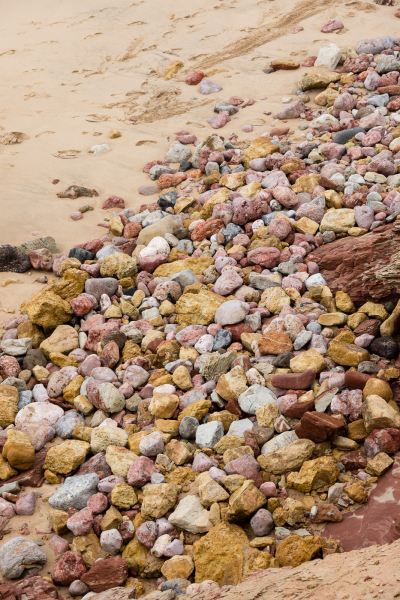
(58, 259)
(220, 120)
(97, 503)
(6, 509)
(375, 119)
(363, 341)
(175, 548)
(190, 335)
(264, 256)
(59, 545)
(81, 522)
(371, 82)
(107, 484)
(25, 504)
(348, 404)
(332, 25)
(9, 366)
(227, 283)
(132, 229)
(245, 465)
(285, 196)
(290, 111)
(382, 440)
(249, 209)
(308, 62)
(147, 534)
(86, 367)
(76, 216)
(247, 128)
(140, 471)
(333, 151)
(280, 228)
(269, 489)
(113, 202)
(41, 259)
(82, 304)
(93, 270)
(202, 463)
(205, 343)
(262, 523)
(298, 29)
(371, 138)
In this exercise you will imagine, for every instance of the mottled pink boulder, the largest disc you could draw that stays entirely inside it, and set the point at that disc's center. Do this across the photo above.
(264, 256)
(9, 366)
(332, 151)
(76, 215)
(286, 401)
(269, 489)
(82, 304)
(371, 138)
(220, 120)
(81, 522)
(291, 111)
(285, 196)
(59, 545)
(262, 523)
(375, 119)
(332, 25)
(190, 335)
(249, 209)
(41, 259)
(371, 82)
(140, 471)
(382, 440)
(68, 568)
(280, 228)
(6, 509)
(348, 404)
(147, 534)
(107, 484)
(245, 465)
(97, 503)
(113, 202)
(25, 505)
(202, 463)
(227, 283)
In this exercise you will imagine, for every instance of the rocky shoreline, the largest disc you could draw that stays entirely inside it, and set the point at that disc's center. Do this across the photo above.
(216, 379)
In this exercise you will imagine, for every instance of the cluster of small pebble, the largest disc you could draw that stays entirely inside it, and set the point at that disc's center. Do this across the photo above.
(213, 400)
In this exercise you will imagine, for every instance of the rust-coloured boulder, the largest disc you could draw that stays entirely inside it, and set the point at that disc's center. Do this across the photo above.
(106, 574)
(318, 427)
(365, 267)
(68, 568)
(294, 381)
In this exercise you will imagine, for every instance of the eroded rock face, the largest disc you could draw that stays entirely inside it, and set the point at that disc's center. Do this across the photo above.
(366, 268)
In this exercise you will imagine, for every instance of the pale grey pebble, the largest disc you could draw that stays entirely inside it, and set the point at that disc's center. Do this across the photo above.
(19, 554)
(75, 492)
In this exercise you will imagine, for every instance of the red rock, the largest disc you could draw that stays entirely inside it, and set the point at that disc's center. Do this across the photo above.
(80, 523)
(245, 465)
(382, 440)
(220, 120)
(309, 61)
(194, 78)
(59, 545)
(132, 229)
(110, 355)
(150, 263)
(295, 381)
(34, 587)
(355, 380)
(241, 361)
(326, 512)
(41, 259)
(81, 305)
(113, 202)
(25, 505)
(140, 471)
(296, 411)
(363, 278)
(237, 330)
(68, 568)
(153, 163)
(96, 334)
(392, 90)
(250, 440)
(332, 25)
(92, 246)
(147, 534)
(206, 229)
(96, 464)
(318, 427)
(249, 209)
(233, 407)
(355, 460)
(265, 257)
(106, 574)
(9, 367)
(170, 179)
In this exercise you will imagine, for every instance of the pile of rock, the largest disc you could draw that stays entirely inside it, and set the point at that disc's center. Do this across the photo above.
(214, 401)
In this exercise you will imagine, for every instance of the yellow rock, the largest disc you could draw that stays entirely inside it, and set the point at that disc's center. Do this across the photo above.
(347, 354)
(374, 311)
(6, 470)
(378, 465)
(181, 378)
(123, 496)
(356, 319)
(357, 493)
(225, 417)
(89, 546)
(138, 586)
(356, 430)
(310, 359)
(288, 458)
(251, 190)
(51, 477)
(333, 318)
(314, 474)
(227, 442)
(163, 406)
(112, 519)
(378, 387)
(64, 339)
(222, 195)
(327, 97)
(131, 350)
(333, 199)
(232, 181)
(198, 309)
(306, 225)
(236, 452)
(172, 69)
(71, 285)
(135, 554)
(317, 78)
(116, 226)
(118, 265)
(245, 502)
(29, 329)
(295, 550)
(8, 410)
(378, 414)
(47, 309)
(177, 452)
(58, 521)
(158, 499)
(18, 450)
(344, 303)
(274, 299)
(182, 204)
(197, 265)
(224, 555)
(267, 414)
(115, 134)
(83, 405)
(60, 360)
(67, 456)
(306, 183)
(135, 439)
(198, 410)
(259, 148)
(232, 384)
(338, 220)
(120, 460)
(178, 566)
(71, 391)
(357, 231)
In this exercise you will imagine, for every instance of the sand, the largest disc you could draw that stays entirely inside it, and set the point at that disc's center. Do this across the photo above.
(71, 72)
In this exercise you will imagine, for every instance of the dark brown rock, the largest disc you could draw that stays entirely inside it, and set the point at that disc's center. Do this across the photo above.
(106, 574)
(370, 326)
(97, 464)
(12, 260)
(355, 265)
(296, 411)
(354, 460)
(318, 427)
(355, 380)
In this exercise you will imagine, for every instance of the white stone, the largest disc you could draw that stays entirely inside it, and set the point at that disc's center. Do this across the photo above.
(254, 398)
(315, 280)
(43, 413)
(188, 511)
(326, 118)
(160, 544)
(281, 440)
(329, 57)
(238, 428)
(209, 434)
(16, 347)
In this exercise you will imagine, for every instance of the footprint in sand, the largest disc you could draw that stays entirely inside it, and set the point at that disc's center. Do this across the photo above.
(145, 142)
(44, 133)
(97, 118)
